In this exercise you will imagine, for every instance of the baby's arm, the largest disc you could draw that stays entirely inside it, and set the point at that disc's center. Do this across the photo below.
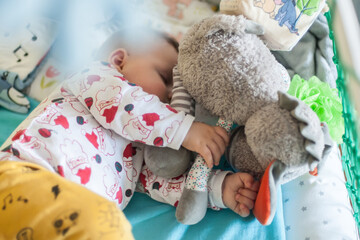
(209, 141)
(239, 191)
(127, 110)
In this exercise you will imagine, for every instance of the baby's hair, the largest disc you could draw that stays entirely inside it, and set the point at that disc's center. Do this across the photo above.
(130, 38)
(169, 39)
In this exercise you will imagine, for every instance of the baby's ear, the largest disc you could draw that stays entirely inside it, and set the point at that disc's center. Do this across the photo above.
(118, 58)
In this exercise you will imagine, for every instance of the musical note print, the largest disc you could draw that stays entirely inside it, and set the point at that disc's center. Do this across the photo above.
(34, 37)
(21, 50)
(8, 200)
(22, 199)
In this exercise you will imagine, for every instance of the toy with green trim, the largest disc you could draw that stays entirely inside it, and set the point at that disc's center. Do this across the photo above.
(323, 100)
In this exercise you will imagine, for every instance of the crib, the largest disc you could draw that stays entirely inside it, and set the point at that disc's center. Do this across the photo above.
(348, 78)
(323, 207)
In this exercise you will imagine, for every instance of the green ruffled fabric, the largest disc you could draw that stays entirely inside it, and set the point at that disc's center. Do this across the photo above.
(324, 100)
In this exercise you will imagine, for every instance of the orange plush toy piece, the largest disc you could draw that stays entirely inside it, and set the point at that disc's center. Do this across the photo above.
(262, 208)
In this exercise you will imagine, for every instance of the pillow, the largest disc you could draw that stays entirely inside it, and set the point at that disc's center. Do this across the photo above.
(177, 31)
(50, 73)
(284, 21)
(172, 16)
(183, 12)
(22, 48)
(319, 207)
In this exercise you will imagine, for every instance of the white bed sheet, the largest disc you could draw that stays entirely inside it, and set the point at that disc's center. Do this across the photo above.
(317, 208)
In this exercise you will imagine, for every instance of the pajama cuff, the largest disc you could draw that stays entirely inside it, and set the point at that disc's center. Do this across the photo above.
(181, 132)
(216, 188)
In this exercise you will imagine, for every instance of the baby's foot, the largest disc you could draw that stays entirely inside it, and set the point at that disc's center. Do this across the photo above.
(239, 192)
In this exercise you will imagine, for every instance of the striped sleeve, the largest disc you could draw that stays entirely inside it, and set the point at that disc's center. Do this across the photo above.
(181, 99)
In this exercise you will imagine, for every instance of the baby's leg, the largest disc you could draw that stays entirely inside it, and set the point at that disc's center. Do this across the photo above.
(166, 190)
(169, 190)
(239, 192)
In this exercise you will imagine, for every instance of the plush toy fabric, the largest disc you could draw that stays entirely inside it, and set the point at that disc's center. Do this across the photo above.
(223, 50)
(229, 71)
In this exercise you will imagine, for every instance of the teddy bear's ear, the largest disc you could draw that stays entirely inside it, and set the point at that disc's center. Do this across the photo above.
(254, 28)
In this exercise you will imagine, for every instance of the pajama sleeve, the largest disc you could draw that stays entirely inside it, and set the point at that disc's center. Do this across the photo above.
(126, 109)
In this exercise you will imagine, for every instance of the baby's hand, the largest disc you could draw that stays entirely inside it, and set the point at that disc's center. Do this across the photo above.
(239, 192)
(209, 141)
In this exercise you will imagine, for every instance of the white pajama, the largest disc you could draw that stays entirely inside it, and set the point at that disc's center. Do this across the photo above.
(92, 130)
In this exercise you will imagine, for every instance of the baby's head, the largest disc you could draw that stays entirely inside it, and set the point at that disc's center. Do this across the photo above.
(145, 58)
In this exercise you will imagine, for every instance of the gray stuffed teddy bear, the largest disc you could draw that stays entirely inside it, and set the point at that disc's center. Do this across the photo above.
(230, 72)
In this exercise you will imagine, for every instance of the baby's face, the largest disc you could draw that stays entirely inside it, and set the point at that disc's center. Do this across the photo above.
(152, 70)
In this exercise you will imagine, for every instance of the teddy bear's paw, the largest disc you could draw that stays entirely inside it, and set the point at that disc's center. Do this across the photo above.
(240, 157)
(192, 206)
(167, 162)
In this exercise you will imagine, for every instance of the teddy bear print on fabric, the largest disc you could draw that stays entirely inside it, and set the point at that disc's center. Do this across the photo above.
(268, 6)
(289, 12)
(176, 7)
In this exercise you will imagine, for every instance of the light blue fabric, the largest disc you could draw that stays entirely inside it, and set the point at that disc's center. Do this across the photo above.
(154, 220)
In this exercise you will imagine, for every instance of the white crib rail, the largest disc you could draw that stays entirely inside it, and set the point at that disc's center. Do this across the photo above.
(347, 35)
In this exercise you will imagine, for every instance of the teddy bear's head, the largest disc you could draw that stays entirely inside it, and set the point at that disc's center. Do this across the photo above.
(227, 68)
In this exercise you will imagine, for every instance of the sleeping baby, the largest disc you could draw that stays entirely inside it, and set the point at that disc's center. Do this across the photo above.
(92, 131)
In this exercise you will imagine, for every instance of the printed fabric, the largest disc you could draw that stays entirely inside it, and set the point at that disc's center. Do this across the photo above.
(284, 21)
(92, 129)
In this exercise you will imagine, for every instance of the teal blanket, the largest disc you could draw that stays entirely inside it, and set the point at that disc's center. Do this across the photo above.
(154, 220)
(10, 120)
